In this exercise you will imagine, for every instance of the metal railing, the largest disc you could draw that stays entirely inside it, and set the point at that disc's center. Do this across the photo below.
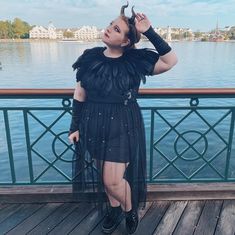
(186, 142)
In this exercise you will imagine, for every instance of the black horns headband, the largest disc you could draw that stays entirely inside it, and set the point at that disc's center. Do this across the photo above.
(132, 19)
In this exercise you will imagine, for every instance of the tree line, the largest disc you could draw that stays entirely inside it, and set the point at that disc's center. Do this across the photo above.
(15, 29)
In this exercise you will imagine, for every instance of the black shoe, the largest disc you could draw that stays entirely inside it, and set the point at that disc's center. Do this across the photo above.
(132, 221)
(112, 219)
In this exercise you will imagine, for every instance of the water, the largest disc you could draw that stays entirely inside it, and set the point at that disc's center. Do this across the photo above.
(48, 65)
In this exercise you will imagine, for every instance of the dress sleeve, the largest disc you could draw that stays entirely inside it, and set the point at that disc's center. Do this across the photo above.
(148, 59)
(79, 64)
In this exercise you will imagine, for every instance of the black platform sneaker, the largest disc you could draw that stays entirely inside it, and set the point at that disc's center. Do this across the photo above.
(132, 221)
(112, 219)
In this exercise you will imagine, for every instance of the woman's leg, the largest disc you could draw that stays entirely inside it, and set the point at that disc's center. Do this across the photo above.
(112, 200)
(116, 186)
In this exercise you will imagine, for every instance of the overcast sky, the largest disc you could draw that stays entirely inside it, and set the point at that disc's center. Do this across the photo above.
(198, 15)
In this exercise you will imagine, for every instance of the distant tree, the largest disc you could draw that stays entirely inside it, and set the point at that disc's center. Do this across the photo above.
(3, 29)
(205, 39)
(226, 37)
(187, 34)
(175, 36)
(197, 34)
(10, 29)
(20, 28)
(231, 33)
(68, 34)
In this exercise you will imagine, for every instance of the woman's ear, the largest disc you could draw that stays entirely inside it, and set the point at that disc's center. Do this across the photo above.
(126, 42)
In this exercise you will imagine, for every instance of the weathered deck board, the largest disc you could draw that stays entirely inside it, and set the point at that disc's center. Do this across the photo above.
(170, 219)
(53, 219)
(73, 219)
(8, 210)
(159, 217)
(227, 219)
(36, 218)
(153, 217)
(209, 217)
(88, 224)
(189, 219)
(23, 211)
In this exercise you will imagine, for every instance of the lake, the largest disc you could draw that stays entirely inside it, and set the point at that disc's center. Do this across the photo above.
(48, 65)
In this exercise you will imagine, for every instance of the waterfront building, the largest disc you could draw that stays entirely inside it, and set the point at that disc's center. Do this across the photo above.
(170, 33)
(87, 33)
(50, 32)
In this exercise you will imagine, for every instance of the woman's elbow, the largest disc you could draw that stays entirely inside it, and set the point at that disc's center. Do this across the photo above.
(174, 60)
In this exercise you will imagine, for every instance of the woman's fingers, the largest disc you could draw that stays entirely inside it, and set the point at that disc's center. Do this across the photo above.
(140, 16)
(74, 138)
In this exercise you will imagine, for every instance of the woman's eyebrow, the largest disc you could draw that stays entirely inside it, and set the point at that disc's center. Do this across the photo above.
(117, 26)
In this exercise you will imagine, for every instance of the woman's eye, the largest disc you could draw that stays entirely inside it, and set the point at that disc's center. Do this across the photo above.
(116, 29)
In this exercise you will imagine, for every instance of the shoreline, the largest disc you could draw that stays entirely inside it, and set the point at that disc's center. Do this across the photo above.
(46, 40)
(88, 41)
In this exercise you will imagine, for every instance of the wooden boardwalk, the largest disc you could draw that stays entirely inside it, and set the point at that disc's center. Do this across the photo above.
(202, 217)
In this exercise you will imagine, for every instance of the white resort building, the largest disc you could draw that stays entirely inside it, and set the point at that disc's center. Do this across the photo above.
(87, 33)
(83, 33)
(41, 32)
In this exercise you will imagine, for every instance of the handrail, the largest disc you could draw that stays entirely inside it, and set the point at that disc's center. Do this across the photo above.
(144, 92)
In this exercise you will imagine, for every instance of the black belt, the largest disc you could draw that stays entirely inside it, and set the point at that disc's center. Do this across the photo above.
(128, 97)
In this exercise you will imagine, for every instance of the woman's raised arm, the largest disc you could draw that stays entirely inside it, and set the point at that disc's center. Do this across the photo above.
(167, 57)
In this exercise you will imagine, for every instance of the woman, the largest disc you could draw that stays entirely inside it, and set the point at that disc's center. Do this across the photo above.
(106, 120)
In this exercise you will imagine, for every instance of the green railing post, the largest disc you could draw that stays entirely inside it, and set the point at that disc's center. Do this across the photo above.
(230, 141)
(151, 146)
(9, 145)
(27, 131)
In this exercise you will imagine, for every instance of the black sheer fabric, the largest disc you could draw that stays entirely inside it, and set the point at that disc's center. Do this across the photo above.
(112, 127)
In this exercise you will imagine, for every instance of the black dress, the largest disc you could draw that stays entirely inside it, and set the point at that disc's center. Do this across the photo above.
(112, 127)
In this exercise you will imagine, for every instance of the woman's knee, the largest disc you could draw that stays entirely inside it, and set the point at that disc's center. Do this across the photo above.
(112, 182)
(113, 174)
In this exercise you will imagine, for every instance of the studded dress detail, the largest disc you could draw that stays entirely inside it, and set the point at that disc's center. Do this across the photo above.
(112, 127)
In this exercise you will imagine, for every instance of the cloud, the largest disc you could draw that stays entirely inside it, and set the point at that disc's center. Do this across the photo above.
(72, 13)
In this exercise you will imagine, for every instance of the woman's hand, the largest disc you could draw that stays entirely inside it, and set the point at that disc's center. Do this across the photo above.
(74, 137)
(142, 23)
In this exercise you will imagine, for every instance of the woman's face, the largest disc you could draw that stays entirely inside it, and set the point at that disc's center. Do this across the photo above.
(115, 34)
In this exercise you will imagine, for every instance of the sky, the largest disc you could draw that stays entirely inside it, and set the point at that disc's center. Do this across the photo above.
(199, 15)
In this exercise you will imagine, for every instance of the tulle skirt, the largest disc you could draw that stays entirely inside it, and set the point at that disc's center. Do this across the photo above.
(111, 132)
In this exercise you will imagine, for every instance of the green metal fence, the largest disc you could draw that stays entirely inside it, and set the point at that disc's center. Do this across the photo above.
(186, 141)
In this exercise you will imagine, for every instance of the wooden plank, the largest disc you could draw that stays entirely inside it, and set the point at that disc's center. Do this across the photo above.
(171, 218)
(189, 218)
(33, 220)
(189, 187)
(13, 220)
(8, 211)
(191, 191)
(172, 191)
(226, 224)
(209, 217)
(162, 187)
(53, 219)
(88, 224)
(71, 221)
(152, 217)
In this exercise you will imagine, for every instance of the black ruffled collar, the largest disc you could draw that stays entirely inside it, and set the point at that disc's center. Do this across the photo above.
(97, 71)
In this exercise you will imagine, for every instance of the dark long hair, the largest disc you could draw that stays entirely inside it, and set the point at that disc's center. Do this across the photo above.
(133, 34)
